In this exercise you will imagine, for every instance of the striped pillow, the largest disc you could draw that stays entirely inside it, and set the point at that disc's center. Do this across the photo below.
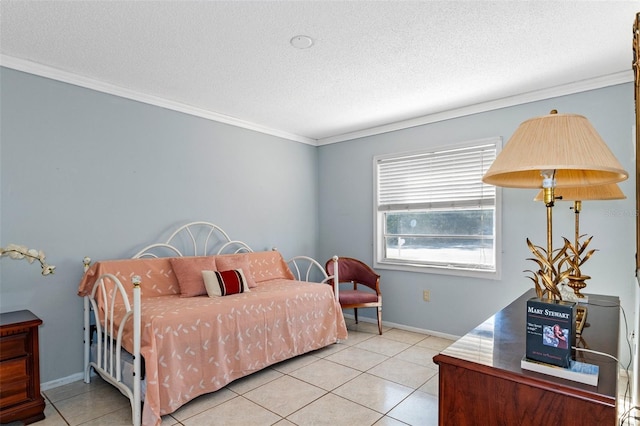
(224, 283)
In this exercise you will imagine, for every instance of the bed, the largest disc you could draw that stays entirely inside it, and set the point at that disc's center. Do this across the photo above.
(164, 332)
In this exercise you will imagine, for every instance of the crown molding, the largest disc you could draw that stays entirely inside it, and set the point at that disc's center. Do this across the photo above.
(89, 83)
(538, 95)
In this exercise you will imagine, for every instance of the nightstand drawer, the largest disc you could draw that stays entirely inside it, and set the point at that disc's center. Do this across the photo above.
(14, 393)
(13, 370)
(20, 397)
(13, 346)
(15, 381)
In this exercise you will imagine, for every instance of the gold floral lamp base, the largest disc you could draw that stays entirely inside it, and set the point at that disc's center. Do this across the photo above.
(577, 284)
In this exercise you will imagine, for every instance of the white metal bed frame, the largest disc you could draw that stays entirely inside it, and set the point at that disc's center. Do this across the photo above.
(109, 348)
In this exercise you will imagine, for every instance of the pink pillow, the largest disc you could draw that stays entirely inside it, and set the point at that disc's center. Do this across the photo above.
(188, 270)
(227, 262)
(224, 283)
(268, 265)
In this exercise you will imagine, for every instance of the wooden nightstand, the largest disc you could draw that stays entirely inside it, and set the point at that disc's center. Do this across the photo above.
(20, 397)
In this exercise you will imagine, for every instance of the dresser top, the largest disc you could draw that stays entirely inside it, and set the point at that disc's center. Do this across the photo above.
(18, 317)
(499, 342)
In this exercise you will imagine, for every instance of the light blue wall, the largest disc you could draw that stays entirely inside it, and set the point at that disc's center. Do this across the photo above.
(88, 174)
(459, 304)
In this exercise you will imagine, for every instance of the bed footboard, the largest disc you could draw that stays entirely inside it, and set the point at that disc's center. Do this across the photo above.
(108, 336)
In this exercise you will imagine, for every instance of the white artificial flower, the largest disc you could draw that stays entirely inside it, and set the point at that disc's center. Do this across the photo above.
(15, 251)
(48, 269)
(33, 255)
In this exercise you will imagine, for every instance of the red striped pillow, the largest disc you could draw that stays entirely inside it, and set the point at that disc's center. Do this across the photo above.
(224, 283)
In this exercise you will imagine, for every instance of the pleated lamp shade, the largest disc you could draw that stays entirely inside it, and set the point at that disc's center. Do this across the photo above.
(566, 143)
(597, 192)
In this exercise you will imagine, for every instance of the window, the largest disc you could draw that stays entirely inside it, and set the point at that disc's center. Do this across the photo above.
(434, 213)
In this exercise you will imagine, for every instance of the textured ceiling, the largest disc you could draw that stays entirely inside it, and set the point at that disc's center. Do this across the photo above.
(372, 63)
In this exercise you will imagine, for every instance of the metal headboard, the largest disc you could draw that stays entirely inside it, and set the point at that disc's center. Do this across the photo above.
(195, 239)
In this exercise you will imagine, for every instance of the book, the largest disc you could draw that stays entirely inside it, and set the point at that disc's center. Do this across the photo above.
(577, 371)
(551, 331)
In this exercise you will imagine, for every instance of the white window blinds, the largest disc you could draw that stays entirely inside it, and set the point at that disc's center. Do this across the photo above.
(442, 179)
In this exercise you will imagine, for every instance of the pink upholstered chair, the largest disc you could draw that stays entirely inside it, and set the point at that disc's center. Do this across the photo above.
(366, 286)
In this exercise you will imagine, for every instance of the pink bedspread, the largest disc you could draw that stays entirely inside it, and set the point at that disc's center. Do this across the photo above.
(197, 345)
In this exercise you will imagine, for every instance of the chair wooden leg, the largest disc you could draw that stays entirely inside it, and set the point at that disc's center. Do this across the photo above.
(380, 319)
(355, 314)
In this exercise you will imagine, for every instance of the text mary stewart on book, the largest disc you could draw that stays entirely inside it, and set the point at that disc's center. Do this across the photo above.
(550, 331)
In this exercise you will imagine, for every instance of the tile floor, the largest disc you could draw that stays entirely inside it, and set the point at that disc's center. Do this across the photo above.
(369, 379)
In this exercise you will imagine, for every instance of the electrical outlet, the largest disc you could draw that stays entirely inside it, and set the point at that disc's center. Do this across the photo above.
(426, 295)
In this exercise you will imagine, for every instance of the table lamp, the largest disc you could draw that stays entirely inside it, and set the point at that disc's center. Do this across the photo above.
(578, 195)
(549, 152)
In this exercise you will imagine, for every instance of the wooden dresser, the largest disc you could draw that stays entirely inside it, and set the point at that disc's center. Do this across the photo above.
(20, 397)
(481, 382)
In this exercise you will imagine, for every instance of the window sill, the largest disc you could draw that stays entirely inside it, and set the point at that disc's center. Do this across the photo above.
(425, 269)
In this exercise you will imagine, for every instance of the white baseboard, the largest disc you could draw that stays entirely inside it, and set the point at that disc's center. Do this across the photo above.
(61, 381)
(404, 327)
